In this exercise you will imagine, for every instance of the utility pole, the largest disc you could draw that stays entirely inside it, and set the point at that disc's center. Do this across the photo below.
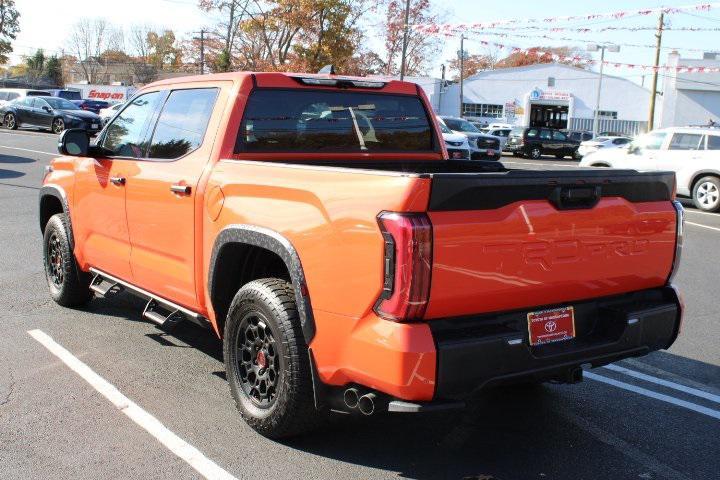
(653, 89)
(462, 71)
(593, 47)
(442, 87)
(202, 52)
(403, 59)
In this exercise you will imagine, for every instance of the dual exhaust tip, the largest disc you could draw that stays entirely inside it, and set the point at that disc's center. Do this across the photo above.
(365, 403)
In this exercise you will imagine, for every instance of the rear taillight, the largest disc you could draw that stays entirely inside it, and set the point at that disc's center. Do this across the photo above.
(407, 265)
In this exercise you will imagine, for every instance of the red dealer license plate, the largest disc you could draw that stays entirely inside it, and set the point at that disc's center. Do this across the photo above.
(553, 325)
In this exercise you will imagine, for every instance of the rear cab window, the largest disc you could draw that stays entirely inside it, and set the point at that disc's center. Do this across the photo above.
(309, 120)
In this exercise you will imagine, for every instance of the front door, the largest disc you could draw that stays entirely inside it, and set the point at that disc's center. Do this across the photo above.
(42, 113)
(99, 218)
(162, 196)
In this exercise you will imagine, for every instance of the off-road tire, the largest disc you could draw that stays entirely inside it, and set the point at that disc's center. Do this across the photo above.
(69, 286)
(270, 303)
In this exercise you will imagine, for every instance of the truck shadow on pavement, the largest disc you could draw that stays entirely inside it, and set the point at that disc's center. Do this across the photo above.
(5, 174)
(16, 159)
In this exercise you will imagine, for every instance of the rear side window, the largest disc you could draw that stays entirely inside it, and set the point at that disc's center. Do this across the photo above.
(545, 134)
(713, 142)
(127, 133)
(685, 141)
(182, 123)
(333, 121)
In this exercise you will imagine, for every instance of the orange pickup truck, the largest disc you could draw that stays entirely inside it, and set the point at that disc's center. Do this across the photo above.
(315, 224)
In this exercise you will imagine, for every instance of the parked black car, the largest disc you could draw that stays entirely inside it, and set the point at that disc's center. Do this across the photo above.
(579, 135)
(54, 113)
(91, 105)
(534, 142)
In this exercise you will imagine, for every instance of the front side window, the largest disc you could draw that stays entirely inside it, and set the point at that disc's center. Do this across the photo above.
(545, 134)
(650, 141)
(333, 121)
(127, 134)
(61, 104)
(685, 141)
(182, 123)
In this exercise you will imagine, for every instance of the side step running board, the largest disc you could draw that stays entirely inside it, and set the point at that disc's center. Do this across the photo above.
(158, 310)
(103, 287)
(162, 316)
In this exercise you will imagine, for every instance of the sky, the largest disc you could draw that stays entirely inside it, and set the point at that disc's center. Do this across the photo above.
(47, 24)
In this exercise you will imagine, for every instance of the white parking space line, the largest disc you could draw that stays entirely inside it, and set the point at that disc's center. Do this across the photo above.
(194, 457)
(28, 150)
(657, 396)
(716, 215)
(701, 225)
(664, 383)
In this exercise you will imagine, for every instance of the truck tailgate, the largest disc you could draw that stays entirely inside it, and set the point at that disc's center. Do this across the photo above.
(523, 239)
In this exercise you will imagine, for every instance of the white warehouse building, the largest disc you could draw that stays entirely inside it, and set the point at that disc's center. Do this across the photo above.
(551, 94)
(691, 98)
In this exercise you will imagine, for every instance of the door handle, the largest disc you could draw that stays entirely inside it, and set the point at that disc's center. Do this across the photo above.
(180, 189)
(117, 180)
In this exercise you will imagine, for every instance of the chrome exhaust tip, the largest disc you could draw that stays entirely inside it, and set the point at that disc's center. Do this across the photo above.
(366, 404)
(351, 397)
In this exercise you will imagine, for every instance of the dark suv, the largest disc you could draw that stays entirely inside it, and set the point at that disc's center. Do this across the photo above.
(534, 142)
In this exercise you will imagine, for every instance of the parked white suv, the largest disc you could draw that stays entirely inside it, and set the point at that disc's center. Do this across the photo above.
(693, 153)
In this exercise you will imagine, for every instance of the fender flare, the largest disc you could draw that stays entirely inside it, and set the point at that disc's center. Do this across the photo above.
(279, 245)
(56, 191)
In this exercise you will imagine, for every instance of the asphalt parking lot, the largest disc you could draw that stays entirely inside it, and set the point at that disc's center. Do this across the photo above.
(656, 417)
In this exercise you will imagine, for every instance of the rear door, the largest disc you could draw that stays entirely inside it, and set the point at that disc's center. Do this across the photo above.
(684, 152)
(162, 195)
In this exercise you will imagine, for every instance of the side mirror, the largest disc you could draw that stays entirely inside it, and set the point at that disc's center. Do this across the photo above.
(47, 109)
(75, 142)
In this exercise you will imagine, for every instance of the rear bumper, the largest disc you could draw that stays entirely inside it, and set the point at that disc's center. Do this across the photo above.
(477, 352)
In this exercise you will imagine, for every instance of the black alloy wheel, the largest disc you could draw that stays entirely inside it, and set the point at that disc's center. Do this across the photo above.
(258, 363)
(58, 125)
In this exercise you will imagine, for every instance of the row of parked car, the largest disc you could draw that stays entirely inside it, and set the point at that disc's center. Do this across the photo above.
(50, 109)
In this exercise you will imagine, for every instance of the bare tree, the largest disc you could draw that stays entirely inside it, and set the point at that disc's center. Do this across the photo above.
(89, 39)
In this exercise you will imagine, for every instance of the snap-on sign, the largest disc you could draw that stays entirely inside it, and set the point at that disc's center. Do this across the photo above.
(106, 95)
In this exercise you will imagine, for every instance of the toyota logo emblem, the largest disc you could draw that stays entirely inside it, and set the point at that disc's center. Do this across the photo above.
(550, 326)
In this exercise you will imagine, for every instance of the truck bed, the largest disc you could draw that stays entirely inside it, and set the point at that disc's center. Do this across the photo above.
(508, 239)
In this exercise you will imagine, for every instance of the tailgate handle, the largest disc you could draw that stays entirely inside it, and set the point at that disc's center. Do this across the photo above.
(575, 197)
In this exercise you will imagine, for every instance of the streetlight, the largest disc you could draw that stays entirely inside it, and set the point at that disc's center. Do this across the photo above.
(594, 47)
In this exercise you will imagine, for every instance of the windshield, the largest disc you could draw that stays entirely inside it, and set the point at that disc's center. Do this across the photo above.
(61, 103)
(444, 128)
(602, 139)
(461, 125)
(335, 121)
